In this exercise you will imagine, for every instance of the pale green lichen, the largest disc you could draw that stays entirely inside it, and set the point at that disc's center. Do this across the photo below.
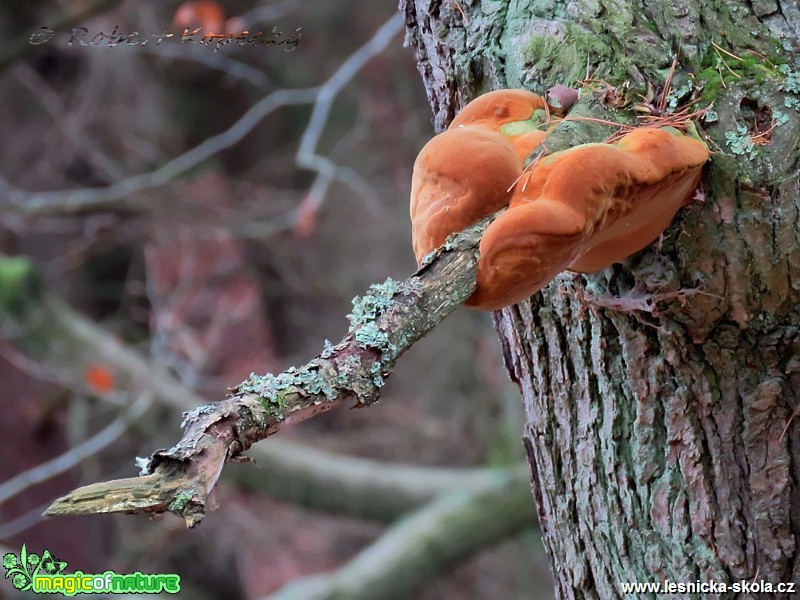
(327, 349)
(452, 242)
(376, 372)
(366, 309)
(143, 464)
(792, 102)
(791, 85)
(347, 370)
(313, 382)
(370, 335)
(260, 385)
(352, 375)
(377, 299)
(414, 286)
(328, 376)
(791, 82)
(780, 118)
(677, 94)
(270, 390)
(181, 501)
(193, 415)
(710, 116)
(429, 257)
(740, 142)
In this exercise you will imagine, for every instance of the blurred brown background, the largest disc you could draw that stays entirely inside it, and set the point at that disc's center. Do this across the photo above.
(245, 261)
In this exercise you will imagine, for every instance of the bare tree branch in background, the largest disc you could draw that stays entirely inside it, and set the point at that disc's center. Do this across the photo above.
(269, 12)
(69, 201)
(52, 104)
(307, 155)
(21, 523)
(68, 460)
(424, 545)
(231, 67)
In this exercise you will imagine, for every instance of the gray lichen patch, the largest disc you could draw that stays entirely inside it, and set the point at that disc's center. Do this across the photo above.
(340, 371)
(362, 378)
(377, 299)
(367, 309)
(370, 335)
(429, 257)
(327, 349)
(356, 366)
(271, 390)
(277, 393)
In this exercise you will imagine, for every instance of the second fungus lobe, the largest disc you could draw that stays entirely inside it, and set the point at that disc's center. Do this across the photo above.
(580, 209)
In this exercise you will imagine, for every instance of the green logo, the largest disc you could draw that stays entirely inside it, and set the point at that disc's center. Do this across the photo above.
(24, 568)
(45, 575)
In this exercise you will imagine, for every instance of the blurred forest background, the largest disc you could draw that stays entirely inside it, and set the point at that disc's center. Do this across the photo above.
(241, 255)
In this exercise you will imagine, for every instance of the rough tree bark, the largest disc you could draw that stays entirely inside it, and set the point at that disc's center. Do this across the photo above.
(660, 422)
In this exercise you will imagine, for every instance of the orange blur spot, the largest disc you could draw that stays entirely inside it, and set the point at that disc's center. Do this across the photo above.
(207, 14)
(99, 378)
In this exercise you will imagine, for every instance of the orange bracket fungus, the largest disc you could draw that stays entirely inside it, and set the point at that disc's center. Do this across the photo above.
(579, 209)
(468, 172)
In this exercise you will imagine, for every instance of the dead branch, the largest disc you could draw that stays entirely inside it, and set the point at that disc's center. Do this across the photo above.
(288, 470)
(387, 321)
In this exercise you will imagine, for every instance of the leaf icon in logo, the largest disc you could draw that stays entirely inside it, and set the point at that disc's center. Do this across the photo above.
(51, 565)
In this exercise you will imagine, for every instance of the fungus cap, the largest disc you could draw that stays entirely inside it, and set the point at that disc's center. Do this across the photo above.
(460, 177)
(498, 108)
(466, 173)
(584, 209)
(518, 115)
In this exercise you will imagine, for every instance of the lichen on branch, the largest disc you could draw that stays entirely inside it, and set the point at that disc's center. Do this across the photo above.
(384, 323)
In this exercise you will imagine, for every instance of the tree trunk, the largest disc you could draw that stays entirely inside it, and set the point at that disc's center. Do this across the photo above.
(660, 394)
